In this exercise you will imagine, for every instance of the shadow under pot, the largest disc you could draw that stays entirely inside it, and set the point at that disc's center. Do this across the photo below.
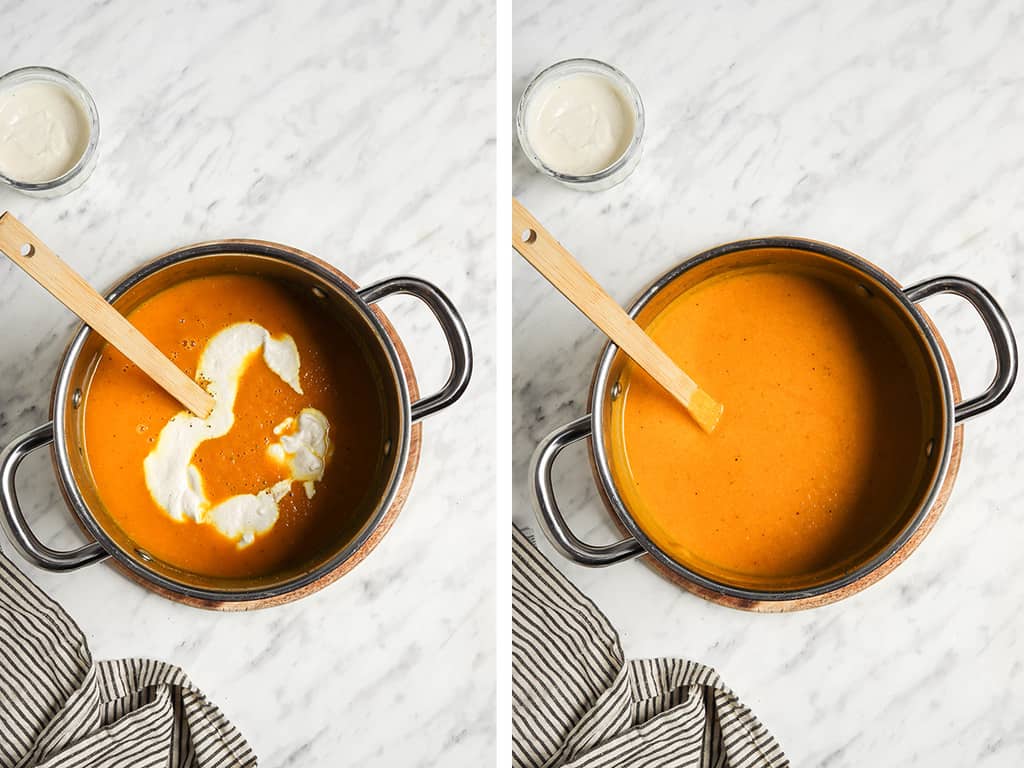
(838, 447)
(310, 352)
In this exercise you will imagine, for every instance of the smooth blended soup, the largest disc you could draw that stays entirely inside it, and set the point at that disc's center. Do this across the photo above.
(822, 443)
(125, 412)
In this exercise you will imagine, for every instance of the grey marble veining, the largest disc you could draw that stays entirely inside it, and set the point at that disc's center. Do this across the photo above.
(891, 129)
(363, 134)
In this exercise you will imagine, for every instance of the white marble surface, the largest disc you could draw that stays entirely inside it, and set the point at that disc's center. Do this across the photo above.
(895, 130)
(364, 135)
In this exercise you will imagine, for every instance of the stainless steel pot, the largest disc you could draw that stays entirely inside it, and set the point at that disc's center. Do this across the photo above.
(878, 285)
(321, 282)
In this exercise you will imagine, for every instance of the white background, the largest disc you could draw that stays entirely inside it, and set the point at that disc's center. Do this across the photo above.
(364, 135)
(893, 130)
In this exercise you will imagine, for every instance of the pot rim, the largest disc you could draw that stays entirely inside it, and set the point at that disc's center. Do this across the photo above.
(136, 566)
(600, 383)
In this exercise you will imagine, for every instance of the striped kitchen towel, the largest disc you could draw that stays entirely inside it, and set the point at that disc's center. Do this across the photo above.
(60, 709)
(577, 704)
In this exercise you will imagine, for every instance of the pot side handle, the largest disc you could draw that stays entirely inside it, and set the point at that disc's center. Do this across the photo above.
(454, 332)
(550, 516)
(14, 522)
(999, 332)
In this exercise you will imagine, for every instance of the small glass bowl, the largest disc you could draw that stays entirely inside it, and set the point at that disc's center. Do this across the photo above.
(80, 171)
(621, 168)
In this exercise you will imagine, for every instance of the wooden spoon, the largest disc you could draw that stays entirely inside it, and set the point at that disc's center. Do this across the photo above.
(556, 264)
(67, 286)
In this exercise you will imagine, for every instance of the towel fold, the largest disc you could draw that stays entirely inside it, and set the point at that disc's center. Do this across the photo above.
(60, 709)
(577, 704)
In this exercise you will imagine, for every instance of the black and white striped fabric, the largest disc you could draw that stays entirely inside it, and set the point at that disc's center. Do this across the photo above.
(577, 704)
(59, 709)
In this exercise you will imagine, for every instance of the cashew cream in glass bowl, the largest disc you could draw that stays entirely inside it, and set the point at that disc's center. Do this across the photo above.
(49, 132)
(581, 121)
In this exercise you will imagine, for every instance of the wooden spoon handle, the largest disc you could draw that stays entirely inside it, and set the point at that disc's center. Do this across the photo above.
(556, 264)
(32, 255)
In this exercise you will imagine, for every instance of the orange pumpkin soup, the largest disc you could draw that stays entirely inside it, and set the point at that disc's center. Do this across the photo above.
(126, 416)
(823, 442)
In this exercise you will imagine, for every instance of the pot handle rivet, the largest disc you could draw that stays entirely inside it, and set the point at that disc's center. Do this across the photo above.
(550, 517)
(13, 520)
(999, 331)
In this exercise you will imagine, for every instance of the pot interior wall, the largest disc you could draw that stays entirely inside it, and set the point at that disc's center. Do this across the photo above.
(860, 544)
(351, 523)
